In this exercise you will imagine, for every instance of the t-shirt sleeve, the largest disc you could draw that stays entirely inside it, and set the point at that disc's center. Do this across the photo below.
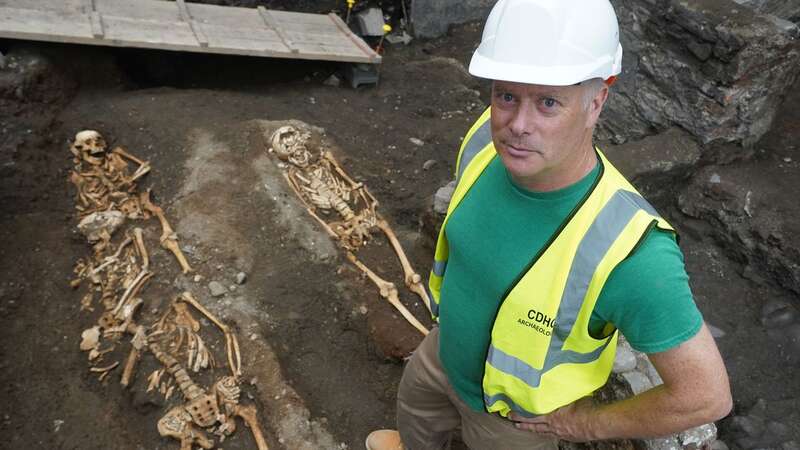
(648, 299)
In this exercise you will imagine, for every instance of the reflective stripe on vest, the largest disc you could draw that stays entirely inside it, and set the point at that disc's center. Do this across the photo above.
(605, 229)
(439, 267)
(480, 138)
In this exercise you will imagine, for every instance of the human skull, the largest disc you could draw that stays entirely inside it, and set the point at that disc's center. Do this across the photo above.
(88, 141)
(289, 144)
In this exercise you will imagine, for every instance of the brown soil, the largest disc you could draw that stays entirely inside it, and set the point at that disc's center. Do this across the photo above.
(200, 121)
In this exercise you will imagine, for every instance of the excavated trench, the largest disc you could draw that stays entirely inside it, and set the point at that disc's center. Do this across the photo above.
(322, 350)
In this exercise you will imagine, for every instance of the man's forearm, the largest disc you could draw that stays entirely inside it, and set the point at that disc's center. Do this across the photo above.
(695, 392)
(656, 412)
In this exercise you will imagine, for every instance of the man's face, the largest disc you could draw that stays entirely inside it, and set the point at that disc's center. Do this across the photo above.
(542, 133)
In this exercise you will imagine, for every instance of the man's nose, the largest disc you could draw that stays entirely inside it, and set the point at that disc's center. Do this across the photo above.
(523, 121)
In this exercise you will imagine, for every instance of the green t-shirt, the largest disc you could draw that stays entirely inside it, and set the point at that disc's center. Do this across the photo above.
(495, 232)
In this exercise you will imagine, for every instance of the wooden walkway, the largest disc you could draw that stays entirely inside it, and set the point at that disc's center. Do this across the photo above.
(182, 26)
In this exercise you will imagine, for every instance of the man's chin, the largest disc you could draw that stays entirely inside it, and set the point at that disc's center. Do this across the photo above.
(519, 167)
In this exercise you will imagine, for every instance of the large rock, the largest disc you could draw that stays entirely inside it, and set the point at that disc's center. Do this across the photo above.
(431, 18)
(655, 161)
(782, 9)
(713, 67)
(752, 209)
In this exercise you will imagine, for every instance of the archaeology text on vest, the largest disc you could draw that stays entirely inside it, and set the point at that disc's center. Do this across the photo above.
(535, 318)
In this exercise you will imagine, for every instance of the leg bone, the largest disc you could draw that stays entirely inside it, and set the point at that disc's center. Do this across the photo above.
(389, 292)
(248, 414)
(169, 239)
(412, 278)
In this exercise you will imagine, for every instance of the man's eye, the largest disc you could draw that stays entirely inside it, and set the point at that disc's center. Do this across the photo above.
(507, 97)
(549, 102)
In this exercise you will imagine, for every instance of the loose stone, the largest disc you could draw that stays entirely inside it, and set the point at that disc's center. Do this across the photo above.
(719, 445)
(624, 361)
(776, 314)
(332, 81)
(442, 197)
(715, 332)
(428, 164)
(790, 445)
(241, 277)
(752, 426)
(637, 381)
(217, 289)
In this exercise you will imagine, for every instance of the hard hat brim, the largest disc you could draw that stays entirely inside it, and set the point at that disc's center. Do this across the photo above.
(483, 67)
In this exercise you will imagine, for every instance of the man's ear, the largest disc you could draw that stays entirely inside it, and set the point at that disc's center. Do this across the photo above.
(596, 106)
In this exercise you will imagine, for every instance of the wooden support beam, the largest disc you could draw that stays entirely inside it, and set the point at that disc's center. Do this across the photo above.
(270, 21)
(373, 57)
(97, 25)
(95, 20)
(193, 24)
(183, 10)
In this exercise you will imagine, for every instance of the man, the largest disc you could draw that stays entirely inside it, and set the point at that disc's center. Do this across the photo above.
(546, 253)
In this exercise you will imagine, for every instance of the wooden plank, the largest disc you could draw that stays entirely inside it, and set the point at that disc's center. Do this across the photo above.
(186, 17)
(356, 40)
(125, 31)
(151, 10)
(96, 24)
(291, 17)
(183, 10)
(58, 27)
(95, 21)
(198, 33)
(272, 23)
(233, 17)
(252, 39)
(188, 27)
(65, 6)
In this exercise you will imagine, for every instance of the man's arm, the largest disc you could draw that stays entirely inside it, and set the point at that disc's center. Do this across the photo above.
(695, 391)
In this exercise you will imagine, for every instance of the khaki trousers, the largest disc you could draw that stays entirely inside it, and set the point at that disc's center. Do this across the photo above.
(429, 410)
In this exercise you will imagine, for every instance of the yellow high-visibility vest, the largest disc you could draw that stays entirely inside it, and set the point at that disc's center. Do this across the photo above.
(541, 356)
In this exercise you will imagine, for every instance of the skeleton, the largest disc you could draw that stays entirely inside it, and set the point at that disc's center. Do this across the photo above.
(323, 186)
(106, 197)
(202, 408)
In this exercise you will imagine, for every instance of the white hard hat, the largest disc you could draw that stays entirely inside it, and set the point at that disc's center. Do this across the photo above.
(549, 42)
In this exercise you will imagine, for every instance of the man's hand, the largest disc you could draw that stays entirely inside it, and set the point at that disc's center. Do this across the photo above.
(695, 391)
(569, 423)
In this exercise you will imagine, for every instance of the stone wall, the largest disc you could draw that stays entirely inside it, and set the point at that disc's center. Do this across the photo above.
(713, 67)
(432, 18)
